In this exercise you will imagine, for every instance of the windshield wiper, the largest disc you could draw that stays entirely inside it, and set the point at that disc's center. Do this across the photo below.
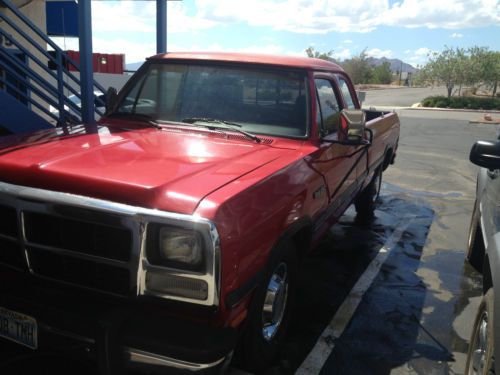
(147, 119)
(221, 124)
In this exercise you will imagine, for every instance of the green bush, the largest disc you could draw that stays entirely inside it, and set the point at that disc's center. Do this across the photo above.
(466, 102)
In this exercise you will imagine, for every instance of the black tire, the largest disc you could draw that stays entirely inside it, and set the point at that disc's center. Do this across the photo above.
(257, 352)
(480, 356)
(475, 243)
(366, 201)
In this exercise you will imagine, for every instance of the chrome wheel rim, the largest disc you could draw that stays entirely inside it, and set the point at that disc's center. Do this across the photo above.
(275, 301)
(478, 360)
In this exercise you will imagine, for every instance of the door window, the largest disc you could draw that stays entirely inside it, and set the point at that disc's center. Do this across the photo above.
(346, 93)
(329, 107)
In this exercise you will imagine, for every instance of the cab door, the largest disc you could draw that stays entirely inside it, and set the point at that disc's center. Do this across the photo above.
(336, 162)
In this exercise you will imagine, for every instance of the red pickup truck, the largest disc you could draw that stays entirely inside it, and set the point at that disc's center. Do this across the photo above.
(170, 234)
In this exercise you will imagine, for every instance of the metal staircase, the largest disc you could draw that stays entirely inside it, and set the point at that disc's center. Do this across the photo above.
(32, 79)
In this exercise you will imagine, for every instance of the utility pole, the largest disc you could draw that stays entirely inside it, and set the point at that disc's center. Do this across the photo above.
(400, 73)
(161, 26)
(86, 63)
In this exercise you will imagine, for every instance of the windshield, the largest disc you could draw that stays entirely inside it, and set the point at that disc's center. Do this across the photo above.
(261, 101)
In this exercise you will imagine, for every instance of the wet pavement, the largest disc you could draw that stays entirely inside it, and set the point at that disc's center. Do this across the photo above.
(416, 316)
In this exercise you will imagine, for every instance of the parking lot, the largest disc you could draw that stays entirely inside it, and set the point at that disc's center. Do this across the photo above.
(391, 295)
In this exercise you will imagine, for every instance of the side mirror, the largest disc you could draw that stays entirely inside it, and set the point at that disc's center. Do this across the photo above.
(352, 127)
(111, 99)
(486, 154)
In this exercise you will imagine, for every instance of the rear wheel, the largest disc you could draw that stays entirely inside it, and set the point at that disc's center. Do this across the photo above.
(475, 244)
(270, 312)
(480, 357)
(366, 201)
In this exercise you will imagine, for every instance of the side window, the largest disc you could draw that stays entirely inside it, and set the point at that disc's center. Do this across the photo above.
(328, 105)
(344, 87)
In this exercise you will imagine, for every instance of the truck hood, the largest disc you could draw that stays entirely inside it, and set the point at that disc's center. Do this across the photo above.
(167, 169)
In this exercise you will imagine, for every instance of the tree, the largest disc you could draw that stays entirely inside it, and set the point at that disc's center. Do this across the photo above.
(445, 67)
(358, 68)
(382, 73)
(488, 65)
(312, 53)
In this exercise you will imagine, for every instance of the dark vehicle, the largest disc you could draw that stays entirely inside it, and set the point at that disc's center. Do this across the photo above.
(483, 253)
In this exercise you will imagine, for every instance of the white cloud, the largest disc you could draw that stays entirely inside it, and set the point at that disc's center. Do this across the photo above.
(420, 56)
(269, 49)
(423, 51)
(378, 53)
(456, 35)
(134, 51)
(447, 14)
(140, 17)
(300, 16)
(342, 54)
(320, 17)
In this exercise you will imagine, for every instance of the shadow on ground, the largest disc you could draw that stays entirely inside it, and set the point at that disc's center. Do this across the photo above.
(384, 333)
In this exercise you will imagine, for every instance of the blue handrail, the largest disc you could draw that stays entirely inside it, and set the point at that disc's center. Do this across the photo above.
(36, 60)
(52, 94)
(34, 76)
(28, 98)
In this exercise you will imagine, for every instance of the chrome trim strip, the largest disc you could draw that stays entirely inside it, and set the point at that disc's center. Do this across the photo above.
(146, 358)
(135, 219)
(67, 334)
(8, 238)
(79, 255)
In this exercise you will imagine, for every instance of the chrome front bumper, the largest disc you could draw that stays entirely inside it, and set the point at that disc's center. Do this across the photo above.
(140, 359)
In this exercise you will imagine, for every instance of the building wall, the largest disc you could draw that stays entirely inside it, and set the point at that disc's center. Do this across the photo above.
(35, 12)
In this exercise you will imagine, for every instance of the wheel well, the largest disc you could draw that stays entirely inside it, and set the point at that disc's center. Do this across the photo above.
(487, 279)
(302, 240)
(387, 159)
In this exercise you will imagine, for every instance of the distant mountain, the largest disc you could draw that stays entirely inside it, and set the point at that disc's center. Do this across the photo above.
(134, 66)
(396, 64)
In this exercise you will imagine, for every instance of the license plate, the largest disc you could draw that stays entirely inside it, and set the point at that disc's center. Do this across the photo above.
(19, 328)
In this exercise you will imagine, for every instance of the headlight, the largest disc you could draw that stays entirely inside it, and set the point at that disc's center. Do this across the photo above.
(180, 246)
(176, 248)
(181, 260)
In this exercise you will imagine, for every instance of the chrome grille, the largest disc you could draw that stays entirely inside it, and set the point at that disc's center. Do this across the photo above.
(68, 244)
(95, 244)
(79, 236)
(8, 225)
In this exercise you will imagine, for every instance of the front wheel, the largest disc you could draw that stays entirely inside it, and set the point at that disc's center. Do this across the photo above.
(366, 200)
(270, 312)
(480, 357)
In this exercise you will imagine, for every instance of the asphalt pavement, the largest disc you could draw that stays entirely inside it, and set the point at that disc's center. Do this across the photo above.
(415, 315)
(400, 97)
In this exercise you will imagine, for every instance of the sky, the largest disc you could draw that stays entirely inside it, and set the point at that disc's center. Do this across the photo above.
(404, 29)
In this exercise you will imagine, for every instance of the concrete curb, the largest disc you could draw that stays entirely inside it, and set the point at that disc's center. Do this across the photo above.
(414, 106)
(494, 122)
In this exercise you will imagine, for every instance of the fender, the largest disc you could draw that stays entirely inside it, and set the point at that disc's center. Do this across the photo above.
(493, 252)
(236, 296)
(482, 177)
